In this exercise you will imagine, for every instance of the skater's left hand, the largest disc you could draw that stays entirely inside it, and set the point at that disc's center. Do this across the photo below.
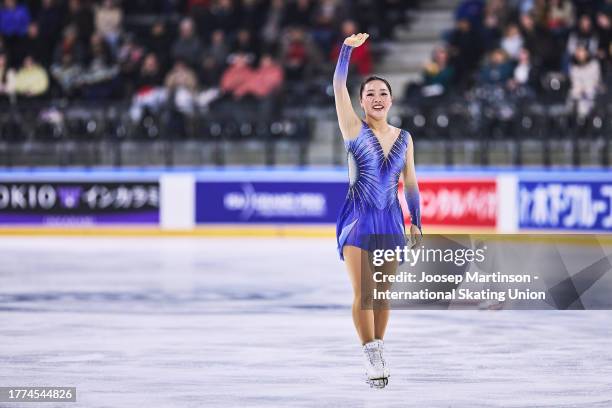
(416, 236)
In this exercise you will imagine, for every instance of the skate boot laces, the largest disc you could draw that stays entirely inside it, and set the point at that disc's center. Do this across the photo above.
(381, 350)
(374, 356)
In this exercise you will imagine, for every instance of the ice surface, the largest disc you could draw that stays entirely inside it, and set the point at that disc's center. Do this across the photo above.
(228, 322)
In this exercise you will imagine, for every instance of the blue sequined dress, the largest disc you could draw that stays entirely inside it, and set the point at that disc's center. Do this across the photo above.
(371, 217)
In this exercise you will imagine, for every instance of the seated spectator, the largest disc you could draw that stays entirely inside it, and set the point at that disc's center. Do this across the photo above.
(361, 57)
(150, 94)
(188, 46)
(158, 42)
(223, 15)
(603, 33)
(150, 75)
(130, 57)
(438, 75)
(50, 21)
(464, 46)
(210, 77)
(525, 75)
(182, 83)
(31, 80)
(81, 16)
(210, 72)
(512, 42)
(542, 47)
(299, 56)
(491, 33)
(35, 46)
(540, 13)
(560, 16)
(98, 80)
(7, 79)
(181, 76)
(69, 45)
(263, 81)
(271, 28)
(245, 44)
(181, 87)
(325, 15)
(584, 35)
(585, 77)
(236, 74)
(108, 18)
(14, 19)
(218, 48)
(497, 69)
(499, 9)
(472, 11)
(67, 75)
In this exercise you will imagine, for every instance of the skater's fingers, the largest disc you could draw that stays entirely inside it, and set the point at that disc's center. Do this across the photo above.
(416, 237)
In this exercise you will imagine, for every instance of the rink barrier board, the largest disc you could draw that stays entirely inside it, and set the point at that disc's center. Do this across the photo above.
(178, 203)
(578, 206)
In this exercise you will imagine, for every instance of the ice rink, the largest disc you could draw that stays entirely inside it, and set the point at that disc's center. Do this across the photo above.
(265, 322)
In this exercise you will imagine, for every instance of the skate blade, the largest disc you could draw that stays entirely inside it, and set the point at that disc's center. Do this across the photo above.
(378, 383)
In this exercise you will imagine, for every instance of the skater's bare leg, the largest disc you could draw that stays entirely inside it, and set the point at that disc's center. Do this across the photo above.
(381, 307)
(363, 317)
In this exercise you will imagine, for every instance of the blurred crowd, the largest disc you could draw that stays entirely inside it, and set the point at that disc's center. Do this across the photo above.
(191, 52)
(198, 54)
(525, 48)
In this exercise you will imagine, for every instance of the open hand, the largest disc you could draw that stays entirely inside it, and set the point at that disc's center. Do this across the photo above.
(356, 40)
(416, 236)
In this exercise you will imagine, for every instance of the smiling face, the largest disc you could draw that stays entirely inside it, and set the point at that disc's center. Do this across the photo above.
(376, 99)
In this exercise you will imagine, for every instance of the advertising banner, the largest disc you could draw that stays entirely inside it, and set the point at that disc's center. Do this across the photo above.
(443, 202)
(64, 203)
(269, 202)
(571, 205)
(457, 202)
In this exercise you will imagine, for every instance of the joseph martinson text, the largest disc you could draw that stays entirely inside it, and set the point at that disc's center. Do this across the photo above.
(457, 293)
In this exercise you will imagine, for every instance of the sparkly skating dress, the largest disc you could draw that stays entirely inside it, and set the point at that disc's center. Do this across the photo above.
(371, 217)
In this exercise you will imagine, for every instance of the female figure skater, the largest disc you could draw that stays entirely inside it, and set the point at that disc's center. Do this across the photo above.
(371, 217)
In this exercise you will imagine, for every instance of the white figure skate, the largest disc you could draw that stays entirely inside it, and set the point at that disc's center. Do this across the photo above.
(377, 372)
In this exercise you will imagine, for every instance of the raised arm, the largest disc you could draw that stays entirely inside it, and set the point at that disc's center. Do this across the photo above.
(411, 192)
(347, 118)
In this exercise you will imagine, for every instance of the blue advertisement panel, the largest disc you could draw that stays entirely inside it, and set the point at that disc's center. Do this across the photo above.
(269, 202)
(571, 205)
(82, 203)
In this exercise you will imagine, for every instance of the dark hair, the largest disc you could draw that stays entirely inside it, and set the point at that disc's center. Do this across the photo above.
(374, 78)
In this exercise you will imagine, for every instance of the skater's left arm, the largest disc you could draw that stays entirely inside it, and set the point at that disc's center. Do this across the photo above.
(411, 192)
